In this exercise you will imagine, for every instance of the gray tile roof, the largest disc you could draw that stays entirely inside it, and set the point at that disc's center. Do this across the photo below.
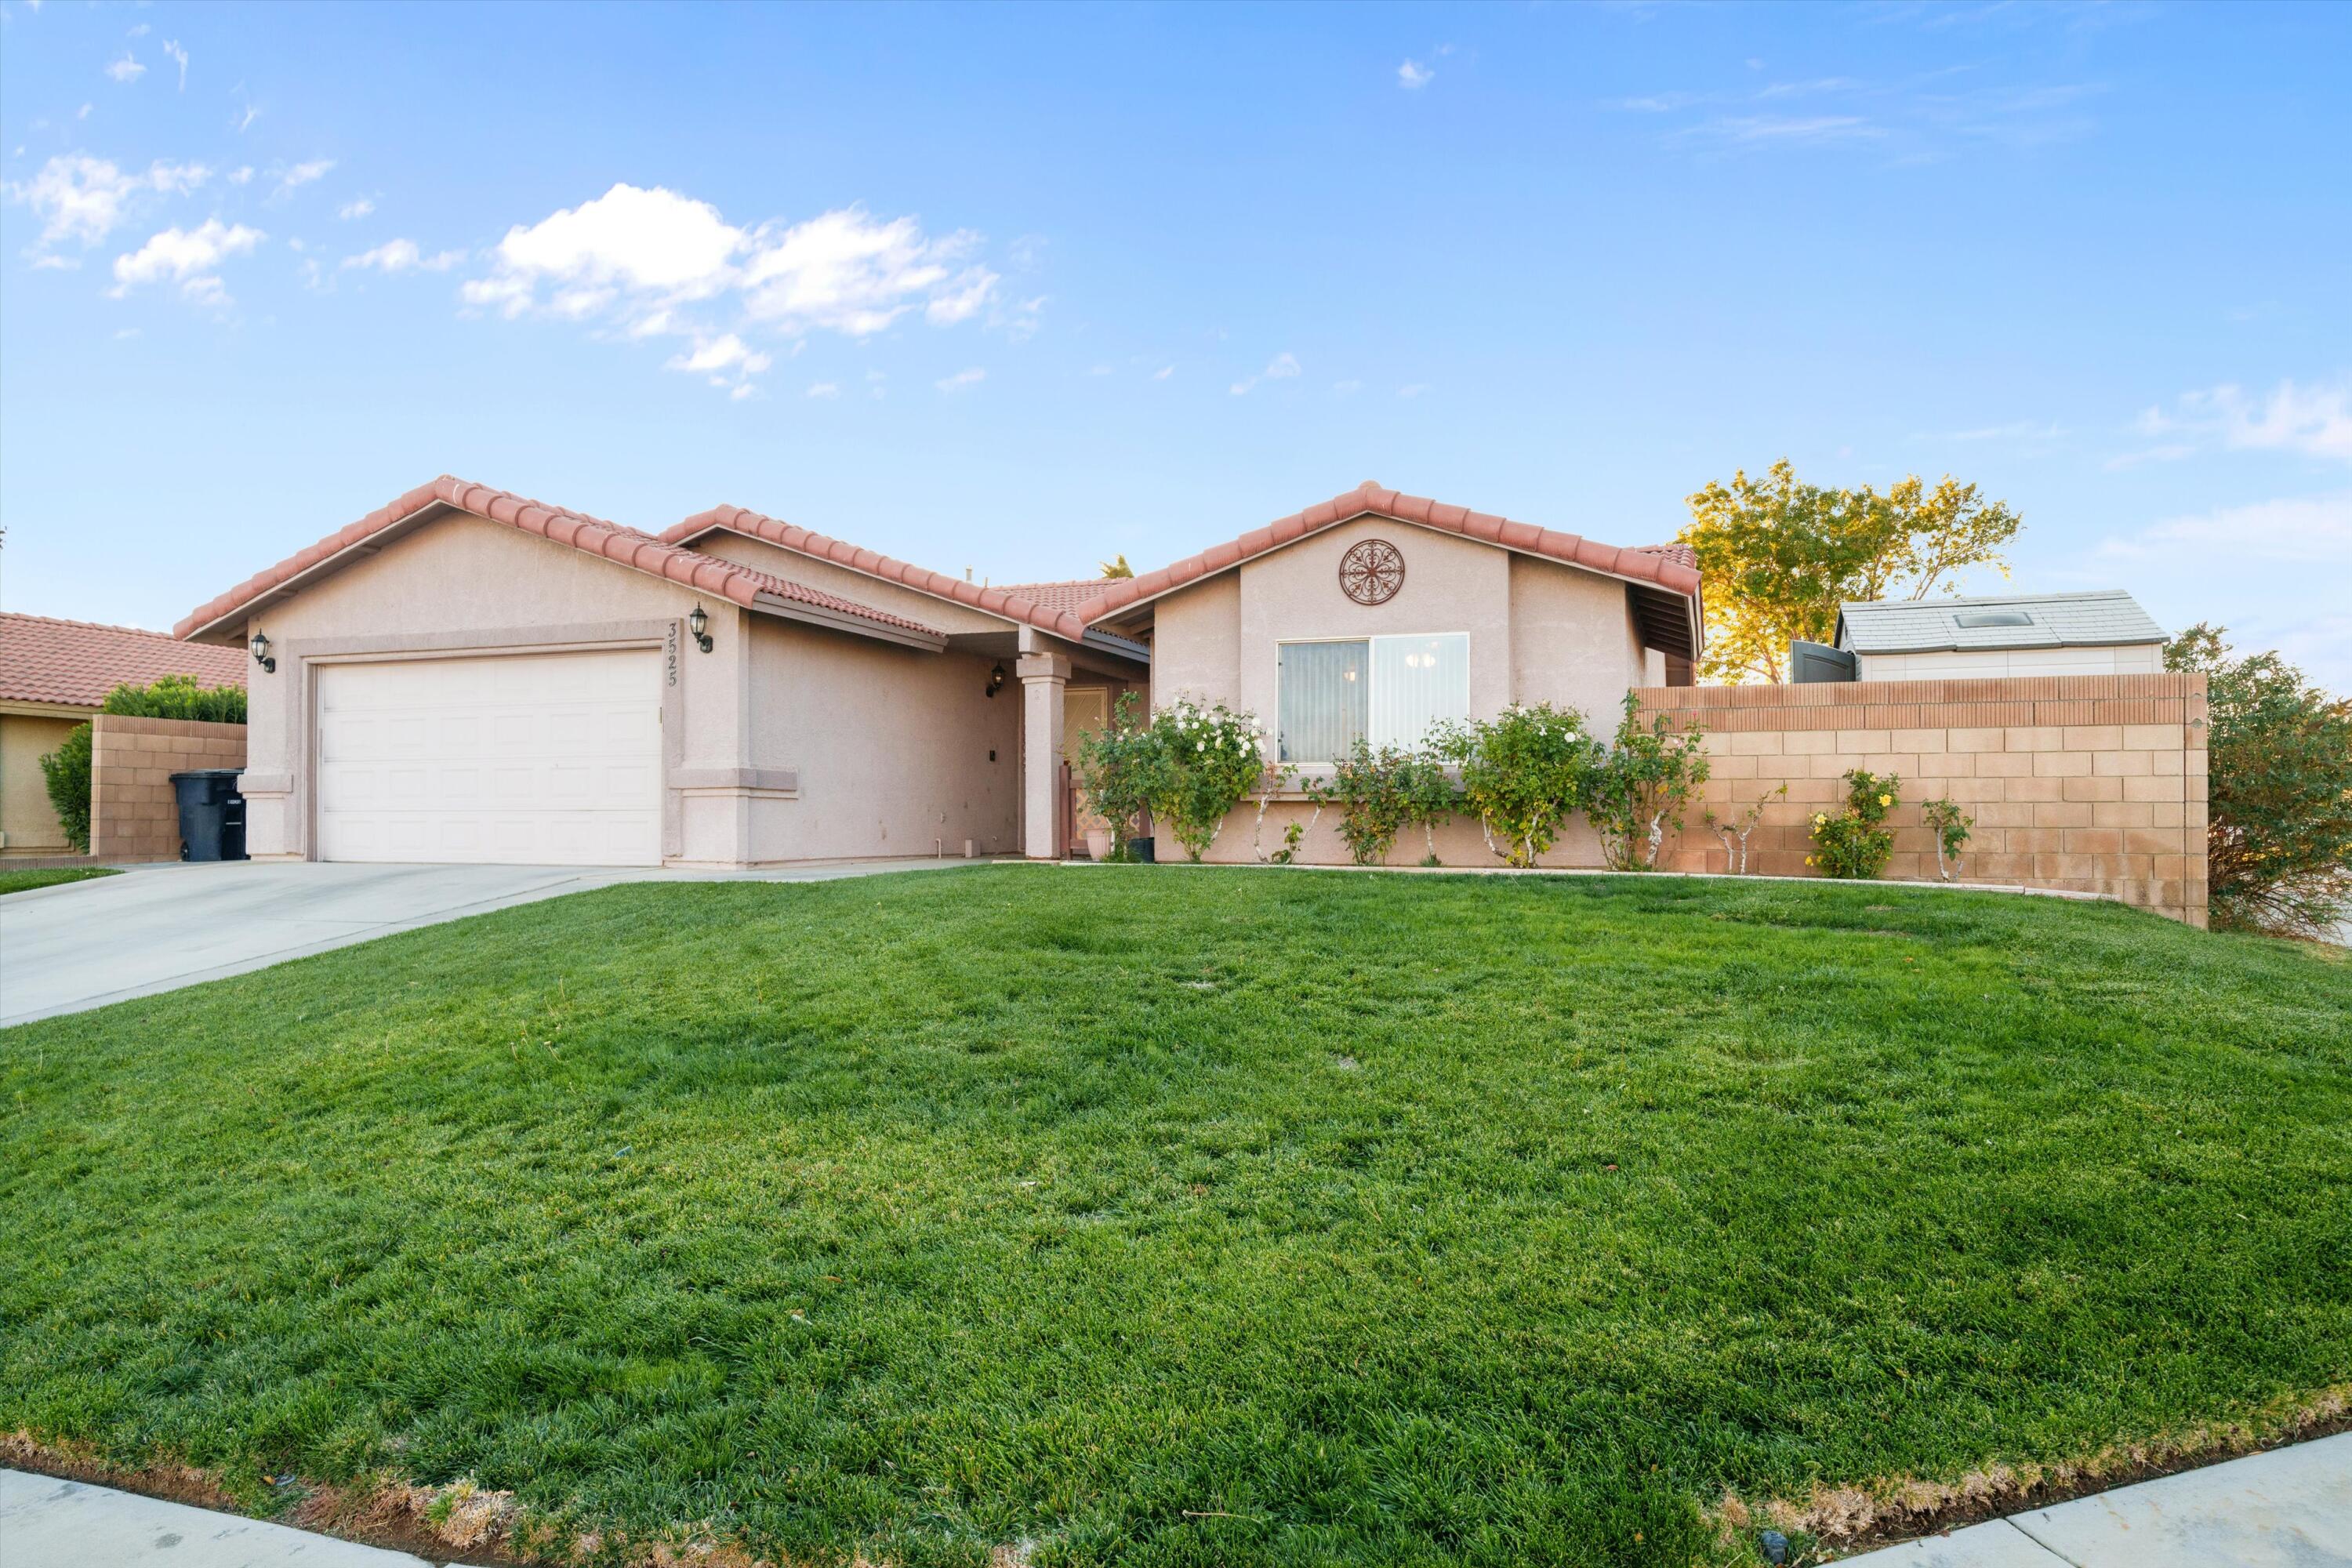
(2053, 620)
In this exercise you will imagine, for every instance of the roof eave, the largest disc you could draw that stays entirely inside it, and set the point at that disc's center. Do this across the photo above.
(834, 620)
(228, 627)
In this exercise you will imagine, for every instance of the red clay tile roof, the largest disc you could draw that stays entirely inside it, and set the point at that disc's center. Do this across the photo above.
(76, 663)
(1370, 499)
(1681, 553)
(1067, 596)
(1006, 602)
(626, 546)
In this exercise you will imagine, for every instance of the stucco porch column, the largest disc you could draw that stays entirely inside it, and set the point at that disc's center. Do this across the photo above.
(1043, 676)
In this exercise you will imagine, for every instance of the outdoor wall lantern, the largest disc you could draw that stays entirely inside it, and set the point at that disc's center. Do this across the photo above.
(699, 623)
(995, 679)
(261, 651)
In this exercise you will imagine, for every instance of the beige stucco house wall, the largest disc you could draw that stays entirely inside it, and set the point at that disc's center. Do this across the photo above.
(895, 751)
(834, 715)
(501, 650)
(462, 585)
(1539, 631)
(28, 822)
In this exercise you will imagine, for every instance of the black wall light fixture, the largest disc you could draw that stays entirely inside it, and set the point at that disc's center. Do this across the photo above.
(995, 680)
(699, 623)
(261, 651)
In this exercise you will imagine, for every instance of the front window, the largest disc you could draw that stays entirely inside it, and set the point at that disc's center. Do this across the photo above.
(1387, 690)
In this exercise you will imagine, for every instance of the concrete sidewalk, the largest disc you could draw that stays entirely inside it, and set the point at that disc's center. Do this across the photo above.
(49, 1523)
(158, 928)
(2291, 1508)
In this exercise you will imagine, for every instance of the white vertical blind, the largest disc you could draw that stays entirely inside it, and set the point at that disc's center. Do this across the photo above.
(1418, 681)
(1326, 689)
(1391, 690)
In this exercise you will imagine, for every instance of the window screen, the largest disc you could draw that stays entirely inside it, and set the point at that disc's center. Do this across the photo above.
(1326, 692)
(1390, 690)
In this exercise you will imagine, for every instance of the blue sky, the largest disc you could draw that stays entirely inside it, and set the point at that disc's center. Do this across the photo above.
(1018, 288)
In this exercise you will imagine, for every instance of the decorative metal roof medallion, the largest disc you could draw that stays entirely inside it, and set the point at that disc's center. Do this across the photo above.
(1371, 572)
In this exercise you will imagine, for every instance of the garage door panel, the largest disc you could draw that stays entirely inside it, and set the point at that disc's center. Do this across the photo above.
(532, 759)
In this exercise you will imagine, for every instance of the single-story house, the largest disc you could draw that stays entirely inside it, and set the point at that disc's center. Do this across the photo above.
(2099, 633)
(53, 676)
(470, 675)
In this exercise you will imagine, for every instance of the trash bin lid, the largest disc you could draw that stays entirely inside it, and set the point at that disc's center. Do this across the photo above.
(209, 774)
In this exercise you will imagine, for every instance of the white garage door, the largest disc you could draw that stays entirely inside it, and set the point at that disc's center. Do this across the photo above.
(528, 759)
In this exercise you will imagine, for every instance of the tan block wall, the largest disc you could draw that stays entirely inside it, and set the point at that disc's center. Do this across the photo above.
(134, 815)
(2089, 784)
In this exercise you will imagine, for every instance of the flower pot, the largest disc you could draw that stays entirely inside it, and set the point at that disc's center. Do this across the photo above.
(1098, 843)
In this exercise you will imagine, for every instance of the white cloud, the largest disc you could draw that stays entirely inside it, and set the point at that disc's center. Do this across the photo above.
(723, 353)
(824, 389)
(845, 272)
(1347, 388)
(1413, 75)
(188, 257)
(2314, 421)
(652, 261)
(77, 196)
(1100, 370)
(301, 174)
(141, 31)
(1163, 372)
(404, 255)
(1282, 368)
(244, 117)
(961, 379)
(241, 176)
(726, 361)
(127, 68)
(179, 56)
(83, 112)
(1412, 389)
(359, 208)
(2271, 570)
(971, 290)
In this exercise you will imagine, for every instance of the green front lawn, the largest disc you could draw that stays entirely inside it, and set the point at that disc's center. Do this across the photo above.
(1177, 1216)
(26, 881)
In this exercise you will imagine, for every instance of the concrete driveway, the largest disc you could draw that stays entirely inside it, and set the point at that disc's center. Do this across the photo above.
(157, 928)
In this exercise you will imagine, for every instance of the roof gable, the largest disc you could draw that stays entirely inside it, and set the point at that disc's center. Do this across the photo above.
(625, 547)
(1657, 566)
(1009, 603)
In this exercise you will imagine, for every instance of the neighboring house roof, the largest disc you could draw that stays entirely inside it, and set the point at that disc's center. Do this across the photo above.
(74, 664)
(592, 536)
(1661, 569)
(2105, 619)
(1006, 602)
(1681, 554)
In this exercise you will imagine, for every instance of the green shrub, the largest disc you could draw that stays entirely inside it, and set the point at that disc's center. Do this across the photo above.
(2278, 840)
(1115, 769)
(1852, 843)
(1522, 771)
(1639, 788)
(178, 697)
(1951, 825)
(1206, 761)
(67, 773)
(1380, 793)
(1735, 831)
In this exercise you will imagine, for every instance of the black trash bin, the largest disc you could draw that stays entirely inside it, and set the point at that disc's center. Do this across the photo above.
(212, 815)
